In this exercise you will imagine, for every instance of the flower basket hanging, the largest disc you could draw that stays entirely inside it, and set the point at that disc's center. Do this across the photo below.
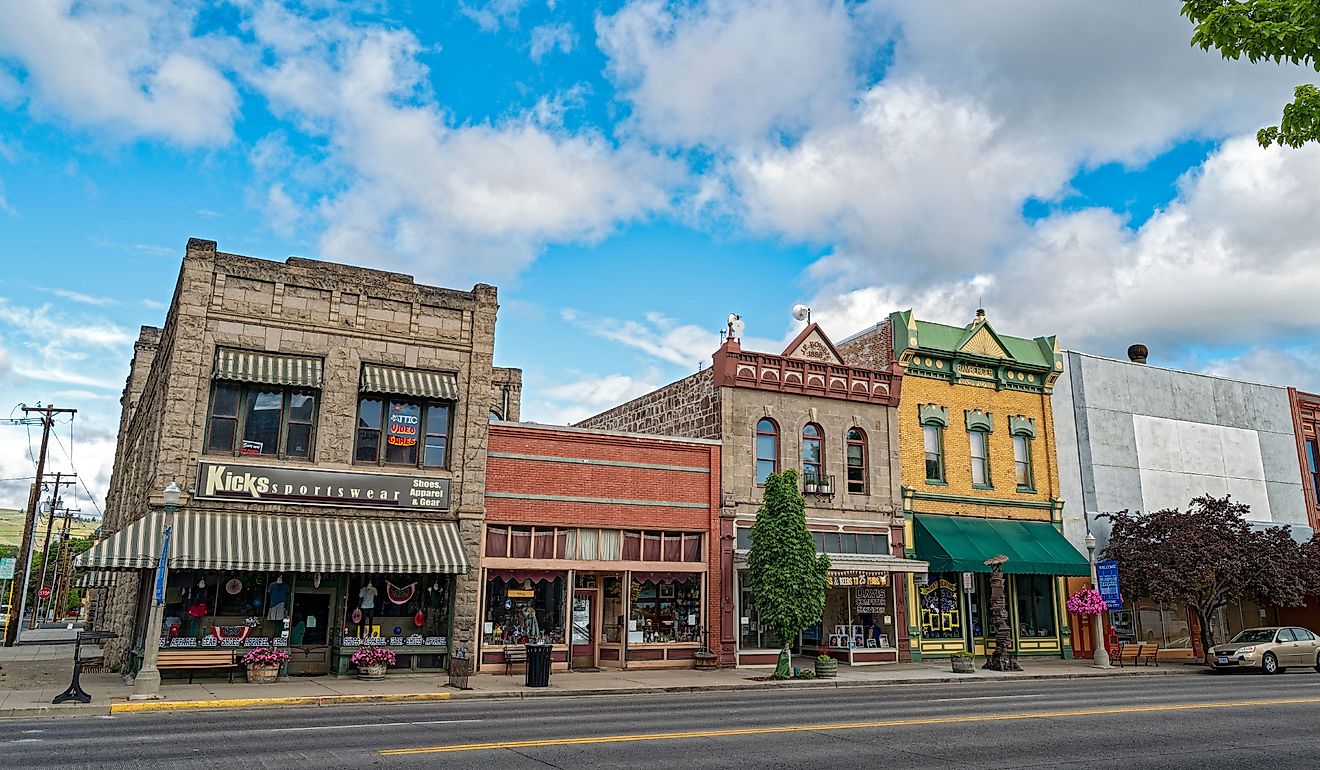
(1087, 601)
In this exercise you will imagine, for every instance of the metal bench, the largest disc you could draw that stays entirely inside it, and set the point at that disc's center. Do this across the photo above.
(195, 659)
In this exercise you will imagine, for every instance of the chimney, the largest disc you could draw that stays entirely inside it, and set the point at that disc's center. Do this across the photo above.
(1137, 353)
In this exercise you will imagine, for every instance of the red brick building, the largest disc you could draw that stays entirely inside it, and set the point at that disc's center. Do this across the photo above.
(601, 543)
(1306, 421)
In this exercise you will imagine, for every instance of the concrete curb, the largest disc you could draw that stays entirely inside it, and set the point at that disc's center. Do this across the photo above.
(339, 700)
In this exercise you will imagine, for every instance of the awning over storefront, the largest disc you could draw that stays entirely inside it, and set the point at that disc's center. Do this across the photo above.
(270, 368)
(963, 543)
(409, 382)
(249, 541)
(99, 579)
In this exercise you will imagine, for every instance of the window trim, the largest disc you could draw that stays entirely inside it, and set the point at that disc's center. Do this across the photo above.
(1030, 486)
(756, 448)
(943, 479)
(860, 441)
(819, 440)
(241, 414)
(424, 407)
(985, 447)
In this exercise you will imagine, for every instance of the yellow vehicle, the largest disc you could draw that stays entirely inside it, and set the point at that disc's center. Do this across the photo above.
(1272, 649)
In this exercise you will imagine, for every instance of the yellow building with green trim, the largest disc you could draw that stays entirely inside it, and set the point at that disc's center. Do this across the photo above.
(979, 479)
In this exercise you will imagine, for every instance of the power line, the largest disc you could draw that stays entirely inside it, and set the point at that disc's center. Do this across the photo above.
(74, 468)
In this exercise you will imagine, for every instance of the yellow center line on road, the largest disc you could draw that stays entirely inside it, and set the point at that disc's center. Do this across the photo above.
(587, 740)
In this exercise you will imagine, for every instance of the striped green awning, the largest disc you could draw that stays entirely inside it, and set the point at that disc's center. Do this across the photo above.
(409, 382)
(252, 541)
(270, 368)
(97, 579)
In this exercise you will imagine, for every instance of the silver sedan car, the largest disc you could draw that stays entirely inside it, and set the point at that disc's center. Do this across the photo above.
(1272, 649)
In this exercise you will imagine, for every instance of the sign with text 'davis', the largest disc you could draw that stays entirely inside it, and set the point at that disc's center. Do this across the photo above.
(267, 484)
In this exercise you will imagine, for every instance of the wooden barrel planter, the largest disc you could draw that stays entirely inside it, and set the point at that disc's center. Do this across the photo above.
(827, 668)
(263, 674)
(963, 664)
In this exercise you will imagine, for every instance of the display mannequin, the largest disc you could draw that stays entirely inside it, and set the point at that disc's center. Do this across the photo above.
(367, 603)
(277, 601)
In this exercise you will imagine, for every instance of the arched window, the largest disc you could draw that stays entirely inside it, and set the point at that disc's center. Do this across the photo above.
(767, 449)
(855, 454)
(813, 460)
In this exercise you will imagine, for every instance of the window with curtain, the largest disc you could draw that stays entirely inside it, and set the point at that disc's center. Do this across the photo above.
(813, 462)
(767, 449)
(980, 457)
(1022, 462)
(855, 453)
(934, 439)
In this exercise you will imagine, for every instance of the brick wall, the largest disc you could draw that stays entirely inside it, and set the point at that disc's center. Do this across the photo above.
(689, 407)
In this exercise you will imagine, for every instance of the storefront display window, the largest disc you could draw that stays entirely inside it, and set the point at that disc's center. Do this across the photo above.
(524, 608)
(1035, 605)
(941, 609)
(666, 609)
(399, 602)
(751, 636)
(1163, 624)
(611, 613)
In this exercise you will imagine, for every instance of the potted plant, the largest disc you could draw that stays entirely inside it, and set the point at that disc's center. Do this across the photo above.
(371, 662)
(826, 667)
(1086, 602)
(263, 664)
(963, 663)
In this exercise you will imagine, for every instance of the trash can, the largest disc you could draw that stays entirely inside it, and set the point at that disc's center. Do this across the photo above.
(538, 665)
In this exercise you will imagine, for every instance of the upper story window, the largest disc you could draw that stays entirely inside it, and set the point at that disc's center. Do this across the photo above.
(813, 461)
(590, 544)
(263, 404)
(980, 441)
(397, 432)
(767, 449)
(855, 451)
(851, 542)
(934, 419)
(404, 417)
(1022, 462)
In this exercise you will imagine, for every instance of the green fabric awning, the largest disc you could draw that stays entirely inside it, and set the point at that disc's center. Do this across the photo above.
(269, 368)
(963, 543)
(409, 382)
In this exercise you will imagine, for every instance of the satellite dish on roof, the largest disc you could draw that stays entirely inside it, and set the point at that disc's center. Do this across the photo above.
(801, 312)
(736, 326)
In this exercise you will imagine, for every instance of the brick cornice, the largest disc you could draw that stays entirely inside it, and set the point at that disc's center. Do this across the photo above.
(736, 368)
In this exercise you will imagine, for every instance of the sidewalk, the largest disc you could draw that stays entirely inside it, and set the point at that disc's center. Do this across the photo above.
(110, 694)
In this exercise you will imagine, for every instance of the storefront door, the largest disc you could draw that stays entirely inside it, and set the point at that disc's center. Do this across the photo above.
(584, 628)
(309, 632)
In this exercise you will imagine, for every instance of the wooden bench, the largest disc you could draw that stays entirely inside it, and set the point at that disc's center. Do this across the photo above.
(514, 653)
(195, 659)
(1138, 653)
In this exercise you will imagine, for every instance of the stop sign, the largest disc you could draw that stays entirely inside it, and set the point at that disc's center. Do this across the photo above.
(44, 593)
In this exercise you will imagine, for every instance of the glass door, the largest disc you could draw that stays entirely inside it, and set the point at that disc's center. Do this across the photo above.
(583, 628)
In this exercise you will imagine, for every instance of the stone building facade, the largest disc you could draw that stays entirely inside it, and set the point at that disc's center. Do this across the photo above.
(328, 425)
(836, 424)
(979, 465)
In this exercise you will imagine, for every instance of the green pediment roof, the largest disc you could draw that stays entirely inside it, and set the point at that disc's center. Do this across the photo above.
(955, 341)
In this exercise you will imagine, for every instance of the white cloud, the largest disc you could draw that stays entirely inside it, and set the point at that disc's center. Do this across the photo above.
(408, 186)
(491, 15)
(548, 37)
(685, 345)
(134, 67)
(1298, 367)
(47, 345)
(730, 72)
(79, 297)
(5, 206)
(569, 402)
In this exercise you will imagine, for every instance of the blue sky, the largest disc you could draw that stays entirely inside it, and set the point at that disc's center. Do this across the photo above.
(628, 173)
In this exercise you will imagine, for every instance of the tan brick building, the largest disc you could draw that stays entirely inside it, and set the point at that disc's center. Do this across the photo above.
(980, 478)
(328, 425)
(803, 408)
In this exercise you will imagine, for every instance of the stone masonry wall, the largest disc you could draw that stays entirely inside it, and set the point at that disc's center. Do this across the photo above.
(506, 393)
(342, 314)
(873, 348)
(689, 407)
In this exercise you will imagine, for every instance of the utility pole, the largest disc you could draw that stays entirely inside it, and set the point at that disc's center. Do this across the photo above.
(30, 523)
(63, 569)
(45, 548)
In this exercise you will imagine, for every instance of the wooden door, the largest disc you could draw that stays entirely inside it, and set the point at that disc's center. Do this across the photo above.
(582, 628)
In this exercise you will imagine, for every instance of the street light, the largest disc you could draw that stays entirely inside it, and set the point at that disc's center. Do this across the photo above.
(1097, 625)
(146, 685)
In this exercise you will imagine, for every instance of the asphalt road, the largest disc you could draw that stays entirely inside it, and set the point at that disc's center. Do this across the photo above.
(1198, 721)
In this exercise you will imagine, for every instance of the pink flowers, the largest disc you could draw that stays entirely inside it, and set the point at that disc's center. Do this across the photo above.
(265, 656)
(373, 656)
(1086, 602)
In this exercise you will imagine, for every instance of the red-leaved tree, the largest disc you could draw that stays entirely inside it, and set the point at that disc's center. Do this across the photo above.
(1208, 557)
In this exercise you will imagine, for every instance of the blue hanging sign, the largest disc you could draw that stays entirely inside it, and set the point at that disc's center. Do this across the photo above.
(160, 568)
(1106, 576)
